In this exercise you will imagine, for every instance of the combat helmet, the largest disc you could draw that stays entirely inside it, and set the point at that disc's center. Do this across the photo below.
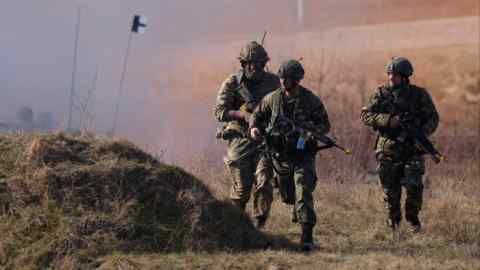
(291, 69)
(400, 65)
(253, 52)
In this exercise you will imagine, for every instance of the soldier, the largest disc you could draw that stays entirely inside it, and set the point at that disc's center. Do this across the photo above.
(294, 165)
(238, 96)
(401, 162)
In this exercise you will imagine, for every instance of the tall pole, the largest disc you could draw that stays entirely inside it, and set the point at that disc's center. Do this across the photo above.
(300, 12)
(74, 71)
(120, 88)
(478, 79)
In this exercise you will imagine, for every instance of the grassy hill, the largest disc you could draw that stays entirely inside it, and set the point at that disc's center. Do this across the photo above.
(67, 201)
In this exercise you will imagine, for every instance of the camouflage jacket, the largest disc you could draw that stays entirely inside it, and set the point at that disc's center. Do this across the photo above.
(230, 98)
(304, 107)
(387, 102)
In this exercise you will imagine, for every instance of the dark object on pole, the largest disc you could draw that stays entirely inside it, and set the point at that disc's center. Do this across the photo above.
(139, 24)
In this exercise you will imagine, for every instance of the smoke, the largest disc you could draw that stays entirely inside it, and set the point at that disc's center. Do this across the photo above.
(176, 67)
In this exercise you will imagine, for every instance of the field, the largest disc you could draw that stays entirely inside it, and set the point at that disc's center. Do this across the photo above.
(351, 233)
(180, 218)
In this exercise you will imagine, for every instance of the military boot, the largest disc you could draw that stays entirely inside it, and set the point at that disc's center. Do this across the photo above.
(294, 216)
(415, 223)
(306, 239)
(394, 221)
(417, 228)
(260, 221)
(393, 224)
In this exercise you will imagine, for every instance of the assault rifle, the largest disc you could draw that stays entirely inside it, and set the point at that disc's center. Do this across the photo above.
(306, 132)
(413, 133)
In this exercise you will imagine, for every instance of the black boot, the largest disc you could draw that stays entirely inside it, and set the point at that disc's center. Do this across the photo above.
(393, 224)
(260, 221)
(415, 223)
(394, 221)
(294, 216)
(306, 239)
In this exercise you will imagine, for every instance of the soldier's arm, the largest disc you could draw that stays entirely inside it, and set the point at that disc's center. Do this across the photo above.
(225, 110)
(320, 116)
(261, 114)
(373, 117)
(430, 114)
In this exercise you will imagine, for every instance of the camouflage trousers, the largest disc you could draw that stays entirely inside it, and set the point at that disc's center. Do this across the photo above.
(255, 173)
(296, 182)
(394, 175)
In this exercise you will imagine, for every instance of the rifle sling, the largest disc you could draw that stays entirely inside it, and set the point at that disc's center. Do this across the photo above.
(244, 92)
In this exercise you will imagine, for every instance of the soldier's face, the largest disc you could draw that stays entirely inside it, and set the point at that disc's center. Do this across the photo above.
(394, 79)
(253, 70)
(289, 83)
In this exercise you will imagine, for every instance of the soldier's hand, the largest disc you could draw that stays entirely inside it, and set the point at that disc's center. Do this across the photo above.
(255, 134)
(247, 116)
(240, 115)
(394, 121)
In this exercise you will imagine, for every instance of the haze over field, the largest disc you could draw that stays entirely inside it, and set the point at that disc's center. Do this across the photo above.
(85, 202)
(176, 67)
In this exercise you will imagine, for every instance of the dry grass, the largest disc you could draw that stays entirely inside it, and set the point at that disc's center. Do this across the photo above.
(79, 202)
(351, 232)
(66, 201)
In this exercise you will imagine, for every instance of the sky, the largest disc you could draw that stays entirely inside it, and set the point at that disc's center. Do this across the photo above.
(37, 39)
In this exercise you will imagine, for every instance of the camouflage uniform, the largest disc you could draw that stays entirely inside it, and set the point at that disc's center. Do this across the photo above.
(247, 167)
(295, 167)
(400, 163)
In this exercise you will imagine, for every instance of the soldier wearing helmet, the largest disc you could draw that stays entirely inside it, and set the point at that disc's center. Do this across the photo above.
(294, 166)
(237, 98)
(401, 162)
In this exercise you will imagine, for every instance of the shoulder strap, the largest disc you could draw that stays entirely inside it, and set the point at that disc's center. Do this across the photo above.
(277, 108)
(244, 92)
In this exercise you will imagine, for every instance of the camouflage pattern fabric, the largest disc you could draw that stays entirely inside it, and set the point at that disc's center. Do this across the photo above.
(296, 173)
(228, 99)
(395, 175)
(297, 181)
(400, 163)
(248, 170)
(306, 106)
(252, 173)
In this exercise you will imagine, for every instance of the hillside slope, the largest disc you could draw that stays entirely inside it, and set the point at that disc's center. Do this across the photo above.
(65, 201)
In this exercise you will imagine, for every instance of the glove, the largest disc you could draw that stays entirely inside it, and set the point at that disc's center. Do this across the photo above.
(394, 121)
(240, 115)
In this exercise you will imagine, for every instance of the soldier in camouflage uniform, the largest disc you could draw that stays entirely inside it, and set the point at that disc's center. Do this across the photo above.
(295, 167)
(401, 162)
(238, 96)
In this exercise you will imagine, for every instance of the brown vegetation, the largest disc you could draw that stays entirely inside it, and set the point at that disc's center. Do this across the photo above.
(352, 233)
(66, 201)
(70, 202)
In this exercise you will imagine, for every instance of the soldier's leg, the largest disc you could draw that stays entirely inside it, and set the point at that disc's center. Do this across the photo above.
(263, 190)
(414, 170)
(284, 176)
(390, 175)
(305, 181)
(283, 173)
(242, 172)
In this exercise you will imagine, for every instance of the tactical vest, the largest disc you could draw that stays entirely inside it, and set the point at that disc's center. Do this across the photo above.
(397, 102)
(288, 145)
(250, 101)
